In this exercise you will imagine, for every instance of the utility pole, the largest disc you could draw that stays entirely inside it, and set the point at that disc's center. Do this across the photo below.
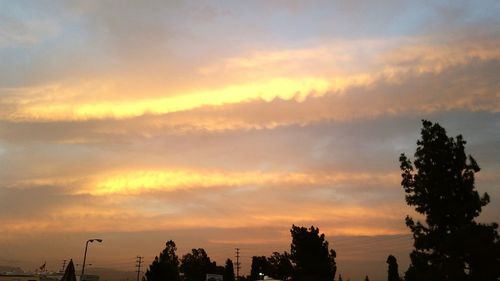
(63, 266)
(237, 264)
(139, 261)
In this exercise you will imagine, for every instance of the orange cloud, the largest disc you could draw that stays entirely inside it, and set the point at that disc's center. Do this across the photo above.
(343, 220)
(139, 181)
(110, 201)
(53, 107)
(265, 75)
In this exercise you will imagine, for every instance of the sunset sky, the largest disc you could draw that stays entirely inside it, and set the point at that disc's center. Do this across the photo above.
(219, 124)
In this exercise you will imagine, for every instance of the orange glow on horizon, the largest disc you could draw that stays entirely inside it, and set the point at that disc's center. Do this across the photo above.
(116, 218)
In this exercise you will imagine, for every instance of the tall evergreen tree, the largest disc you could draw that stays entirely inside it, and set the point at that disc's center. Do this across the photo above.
(392, 272)
(165, 267)
(450, 245)
(229, 271)
(311, 256)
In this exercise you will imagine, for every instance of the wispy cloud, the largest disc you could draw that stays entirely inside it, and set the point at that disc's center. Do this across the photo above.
(383, 71)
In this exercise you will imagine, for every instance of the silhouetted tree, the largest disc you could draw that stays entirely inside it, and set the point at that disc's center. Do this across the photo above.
(196, 265)
(229, 271)
(260, 266)
(69, 272)
(219, 269)
(281, 266)
(366, 278)
(310, 254)
(392, 272)
(165, 267)
(450, 245)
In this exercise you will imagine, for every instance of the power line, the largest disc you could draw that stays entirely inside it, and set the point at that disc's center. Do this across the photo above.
(116, 263)
(139, 262)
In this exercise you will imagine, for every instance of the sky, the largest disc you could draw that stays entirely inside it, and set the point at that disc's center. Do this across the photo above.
(220, 124)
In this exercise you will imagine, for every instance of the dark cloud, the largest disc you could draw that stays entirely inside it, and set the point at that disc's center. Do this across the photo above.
(18, 204)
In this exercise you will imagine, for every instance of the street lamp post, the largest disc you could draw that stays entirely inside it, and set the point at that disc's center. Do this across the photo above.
(85, 255)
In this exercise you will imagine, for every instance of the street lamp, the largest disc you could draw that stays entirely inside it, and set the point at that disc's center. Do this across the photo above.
(85, 255)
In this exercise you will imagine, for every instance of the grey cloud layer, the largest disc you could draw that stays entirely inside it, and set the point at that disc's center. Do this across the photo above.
(168, 40)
